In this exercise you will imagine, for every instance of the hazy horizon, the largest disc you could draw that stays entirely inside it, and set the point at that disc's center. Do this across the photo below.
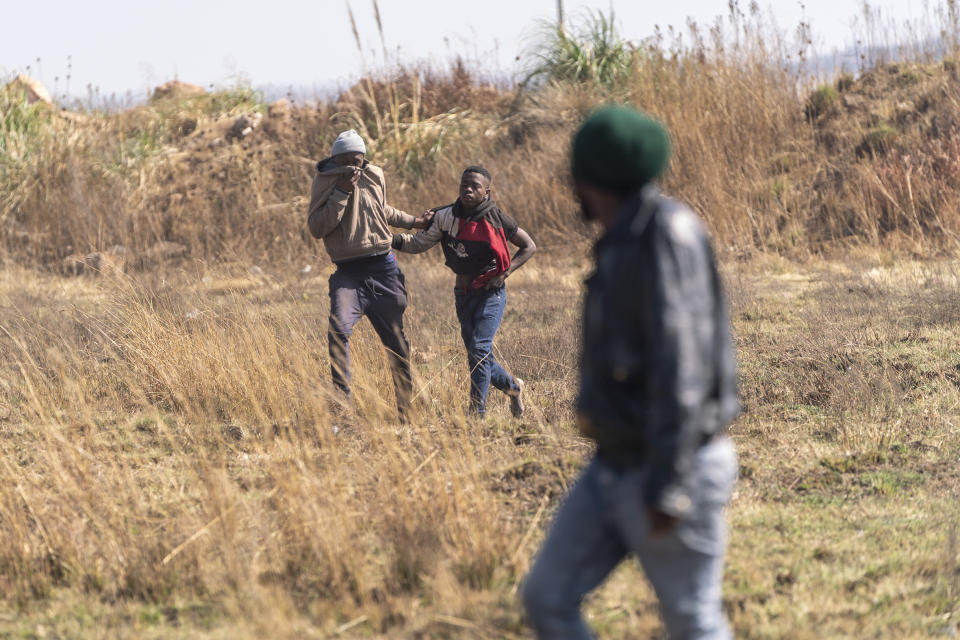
(110, 49)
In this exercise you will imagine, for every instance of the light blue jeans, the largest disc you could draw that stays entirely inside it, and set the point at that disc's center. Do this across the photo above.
(604, 519)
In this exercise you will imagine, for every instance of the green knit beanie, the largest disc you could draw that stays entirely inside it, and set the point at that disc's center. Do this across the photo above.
(620, 148)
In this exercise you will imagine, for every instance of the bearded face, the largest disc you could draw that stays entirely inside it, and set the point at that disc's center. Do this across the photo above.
(586, 207)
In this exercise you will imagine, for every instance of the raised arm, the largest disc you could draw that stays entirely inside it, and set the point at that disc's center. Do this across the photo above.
(327, 204)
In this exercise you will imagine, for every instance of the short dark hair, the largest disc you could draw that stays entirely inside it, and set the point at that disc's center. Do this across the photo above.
(475, 168)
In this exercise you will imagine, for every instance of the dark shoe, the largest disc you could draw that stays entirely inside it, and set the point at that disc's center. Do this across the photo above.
(516, 398)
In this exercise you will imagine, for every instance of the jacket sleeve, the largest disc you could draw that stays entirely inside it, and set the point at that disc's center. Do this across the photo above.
(397, 218)
(326, 208)
(419, 242)
(680, 374)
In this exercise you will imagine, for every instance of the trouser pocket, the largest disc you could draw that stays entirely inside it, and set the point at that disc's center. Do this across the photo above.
(705, 530)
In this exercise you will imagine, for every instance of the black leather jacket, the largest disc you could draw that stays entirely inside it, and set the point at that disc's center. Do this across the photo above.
(658, 376)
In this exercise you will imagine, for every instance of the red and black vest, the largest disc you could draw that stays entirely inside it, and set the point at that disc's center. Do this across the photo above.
(476, 244)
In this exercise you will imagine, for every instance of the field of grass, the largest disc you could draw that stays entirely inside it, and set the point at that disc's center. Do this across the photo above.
(172, 469)
(174, 463)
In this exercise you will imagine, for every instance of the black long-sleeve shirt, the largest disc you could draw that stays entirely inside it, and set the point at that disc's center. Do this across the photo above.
(658, 376)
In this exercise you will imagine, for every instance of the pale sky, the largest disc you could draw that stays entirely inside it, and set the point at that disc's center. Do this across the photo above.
(131, 45)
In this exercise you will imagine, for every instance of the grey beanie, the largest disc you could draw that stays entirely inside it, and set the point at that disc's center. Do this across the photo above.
(348, 142)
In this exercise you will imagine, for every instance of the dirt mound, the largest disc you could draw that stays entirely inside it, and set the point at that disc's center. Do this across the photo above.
(865, 160)
(239, 177)
(423, 95)
(176, 90)
(32, 88)
(885, 162)
(894, 107)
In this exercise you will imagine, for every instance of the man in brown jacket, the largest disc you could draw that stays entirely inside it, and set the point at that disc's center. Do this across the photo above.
(349, 211)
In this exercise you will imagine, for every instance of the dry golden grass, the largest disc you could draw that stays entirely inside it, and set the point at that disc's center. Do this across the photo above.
(172, 441)
(167, 441)
(168, 445)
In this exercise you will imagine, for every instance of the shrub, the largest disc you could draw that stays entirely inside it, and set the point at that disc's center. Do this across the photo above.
(593, 52)
(820, 101)
(878, 140)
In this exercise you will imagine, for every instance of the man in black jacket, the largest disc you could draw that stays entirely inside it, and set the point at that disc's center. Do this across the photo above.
(657, 390)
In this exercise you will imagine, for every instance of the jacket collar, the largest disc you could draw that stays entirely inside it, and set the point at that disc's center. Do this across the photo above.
(633, 216)
(476, 214)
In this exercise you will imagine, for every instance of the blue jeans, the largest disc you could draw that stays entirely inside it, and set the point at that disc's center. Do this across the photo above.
(372, 287)
(479, 312)
(604, 519)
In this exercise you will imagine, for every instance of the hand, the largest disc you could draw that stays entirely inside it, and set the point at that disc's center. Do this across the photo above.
(660, 522)
(496, 283)
(424, 221)
(349, 180)
(585, 426)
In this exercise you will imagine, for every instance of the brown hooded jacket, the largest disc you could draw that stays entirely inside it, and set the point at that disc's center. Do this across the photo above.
(353, 224)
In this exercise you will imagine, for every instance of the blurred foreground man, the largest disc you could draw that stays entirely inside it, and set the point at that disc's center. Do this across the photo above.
(349, 211)
(474, 232)
(657, 389)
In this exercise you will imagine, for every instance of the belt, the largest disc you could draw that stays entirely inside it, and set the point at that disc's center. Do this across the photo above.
(620, 457)
(707, 438)
(363, 262)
